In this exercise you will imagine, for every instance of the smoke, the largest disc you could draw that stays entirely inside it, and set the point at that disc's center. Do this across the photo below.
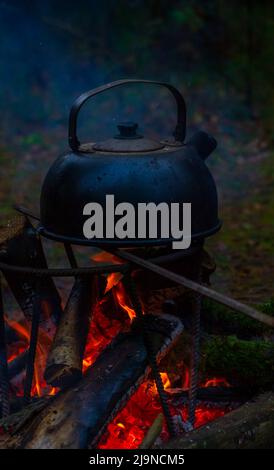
(41, 72)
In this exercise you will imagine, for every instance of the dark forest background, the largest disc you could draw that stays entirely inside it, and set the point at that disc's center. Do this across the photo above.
(220, 55)
(51, 50)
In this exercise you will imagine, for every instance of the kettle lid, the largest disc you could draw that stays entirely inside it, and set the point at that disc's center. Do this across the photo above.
(128, 140)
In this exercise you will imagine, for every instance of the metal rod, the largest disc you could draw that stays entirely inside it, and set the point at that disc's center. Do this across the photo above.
(4, 379)
(133, 295)
(70, 255)
(33, 344)
(192, 285)
(25, 211)
(64, 272)
(195, 354)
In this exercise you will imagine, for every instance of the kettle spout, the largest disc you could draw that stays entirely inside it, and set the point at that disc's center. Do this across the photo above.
(204, 143)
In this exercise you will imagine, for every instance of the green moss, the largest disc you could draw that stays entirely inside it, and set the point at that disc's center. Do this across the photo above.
(221, 320)
(268, 307)
(246, 363)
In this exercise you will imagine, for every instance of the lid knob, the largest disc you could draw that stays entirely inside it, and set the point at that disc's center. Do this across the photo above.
(128, 130)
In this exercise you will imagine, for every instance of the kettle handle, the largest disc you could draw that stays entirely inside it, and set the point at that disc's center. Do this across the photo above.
(180, 129)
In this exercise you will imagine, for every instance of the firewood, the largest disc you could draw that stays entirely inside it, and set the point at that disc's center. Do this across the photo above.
(64, 364)
(210, 395)
(249, 427)
(153, 432)
(77, 417)
(20, 245)
(20, 414)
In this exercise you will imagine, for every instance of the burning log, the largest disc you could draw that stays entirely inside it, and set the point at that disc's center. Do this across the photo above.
(77, 417)
(20, 245)
(249, 427)
(64, 364)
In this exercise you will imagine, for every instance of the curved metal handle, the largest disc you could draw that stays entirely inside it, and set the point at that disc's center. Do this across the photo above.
(180, 128)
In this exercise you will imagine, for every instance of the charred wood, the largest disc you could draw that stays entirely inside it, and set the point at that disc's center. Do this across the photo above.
(64, 364)
(216, 395)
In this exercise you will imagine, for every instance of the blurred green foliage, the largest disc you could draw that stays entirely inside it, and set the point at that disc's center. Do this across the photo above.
(232, 41)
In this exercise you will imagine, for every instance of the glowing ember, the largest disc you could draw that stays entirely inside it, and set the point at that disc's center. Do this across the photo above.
(130, 426)
(102, 330)
(185, 379)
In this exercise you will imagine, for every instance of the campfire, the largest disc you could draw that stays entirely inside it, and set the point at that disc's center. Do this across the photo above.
(129, 427)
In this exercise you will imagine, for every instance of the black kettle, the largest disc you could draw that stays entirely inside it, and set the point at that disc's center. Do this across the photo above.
(133, 169)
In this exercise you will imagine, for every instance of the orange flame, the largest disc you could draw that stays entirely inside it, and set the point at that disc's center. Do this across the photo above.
(165, 380)
(216, 382)
(104, 257)
(119, 292)
(112, 280)
(22, 329)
